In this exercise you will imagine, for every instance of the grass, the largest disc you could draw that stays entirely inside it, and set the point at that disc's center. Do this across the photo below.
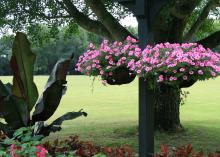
(113, 114)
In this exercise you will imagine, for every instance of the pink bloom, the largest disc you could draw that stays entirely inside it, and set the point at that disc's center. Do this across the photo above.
(202, 64)
(131, 53)
(160, 78)
(111, 62)
(101, 72)
(104, 82)
(200, 72)
(171, 78)
(133, 40)
(174, 78)
(91, 45)
(147, 69)
(191, 72)
(213, 73)
(174, 71)
(108, 67)
(182, 69)
(117, 54)
(123, 58)
(41, 151)
(192, 63)
(185, 78)
(88, 68)
(137, 49)
(129, 38)
(138, 71)
(12, 151)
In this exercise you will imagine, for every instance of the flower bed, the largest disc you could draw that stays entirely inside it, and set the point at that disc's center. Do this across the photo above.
(179, 65)
(184, 151)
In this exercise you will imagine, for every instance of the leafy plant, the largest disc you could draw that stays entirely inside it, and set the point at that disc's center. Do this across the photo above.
(183, 151)
(73, 145)
(18, 99)
(23, 143)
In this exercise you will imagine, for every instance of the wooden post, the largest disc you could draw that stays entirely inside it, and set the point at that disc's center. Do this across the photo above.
(146, 108)
(145, 11)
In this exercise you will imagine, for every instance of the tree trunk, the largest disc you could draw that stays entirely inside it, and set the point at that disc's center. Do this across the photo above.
(167, 103)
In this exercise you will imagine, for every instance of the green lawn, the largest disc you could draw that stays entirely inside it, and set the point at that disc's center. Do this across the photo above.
(113, 112)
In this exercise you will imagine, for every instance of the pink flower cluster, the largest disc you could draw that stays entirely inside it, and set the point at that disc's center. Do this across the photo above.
(40, 151)
(175, 63)
(163, 63)
(107, 57)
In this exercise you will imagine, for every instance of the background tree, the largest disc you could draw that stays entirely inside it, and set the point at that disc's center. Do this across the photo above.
(176, 21)
(5, 49)
(49, 44)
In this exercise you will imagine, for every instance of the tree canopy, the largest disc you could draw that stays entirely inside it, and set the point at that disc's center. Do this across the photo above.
(178, 20)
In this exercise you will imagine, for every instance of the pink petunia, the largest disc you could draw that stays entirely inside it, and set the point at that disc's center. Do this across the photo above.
(185, 78)
(191, 72)
(200, 72)
(182, 69)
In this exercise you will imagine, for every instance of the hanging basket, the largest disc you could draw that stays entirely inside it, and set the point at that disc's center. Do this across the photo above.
(186, 84)
(121, 75)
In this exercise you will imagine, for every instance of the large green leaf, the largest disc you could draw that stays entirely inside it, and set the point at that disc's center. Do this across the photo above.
(54, 89)
(22, 64)
(13, 109)
(41, 129)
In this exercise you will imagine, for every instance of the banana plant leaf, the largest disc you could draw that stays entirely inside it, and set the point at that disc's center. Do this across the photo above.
(41, 129)
(22, 64)
(53, 91)
(13, 109)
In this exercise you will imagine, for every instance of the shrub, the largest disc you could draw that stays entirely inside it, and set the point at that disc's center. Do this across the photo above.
(73, 145)
(183, 151)
(23, 144)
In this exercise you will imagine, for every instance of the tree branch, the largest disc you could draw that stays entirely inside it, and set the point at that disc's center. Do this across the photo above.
(114, 27)
(202, 17)
(211, 41)
(84, 21)
(54, 17)
(183, 8)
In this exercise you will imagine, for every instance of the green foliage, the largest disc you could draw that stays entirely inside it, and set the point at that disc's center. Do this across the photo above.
(100, 155)
(22, 64)
(22, 143)
(48, 49)
(12, 107)
(5, 51)
(19, 15)
(17, 100)
(206, 28)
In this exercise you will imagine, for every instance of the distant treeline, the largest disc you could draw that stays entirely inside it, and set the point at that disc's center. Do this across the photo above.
(49, 44)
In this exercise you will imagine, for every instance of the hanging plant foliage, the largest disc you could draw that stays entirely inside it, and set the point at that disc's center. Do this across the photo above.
(177, 65)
